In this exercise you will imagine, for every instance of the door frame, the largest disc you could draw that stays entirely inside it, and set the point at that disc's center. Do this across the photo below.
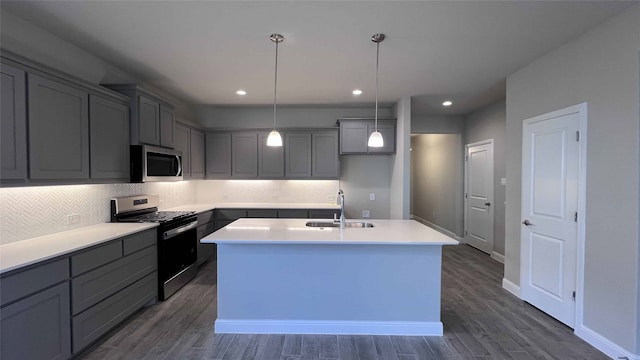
(466, 190)
(581, 110)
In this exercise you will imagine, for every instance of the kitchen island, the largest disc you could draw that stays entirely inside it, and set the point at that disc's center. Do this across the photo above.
(281, 276)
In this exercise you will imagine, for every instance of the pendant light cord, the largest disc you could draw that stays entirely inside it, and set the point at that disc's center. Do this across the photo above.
(275, 87)
(377, 62)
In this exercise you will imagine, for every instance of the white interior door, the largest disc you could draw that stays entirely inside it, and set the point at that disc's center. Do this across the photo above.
(550, 165)
(479, 195)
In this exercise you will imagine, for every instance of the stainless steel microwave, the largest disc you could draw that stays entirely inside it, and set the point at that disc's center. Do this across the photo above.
(151, 163)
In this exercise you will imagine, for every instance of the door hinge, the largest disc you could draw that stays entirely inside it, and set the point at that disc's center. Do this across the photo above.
(465, 233)
(466, 196)
(574, 296)
(466, 158)
(577, 135)
(575, 216)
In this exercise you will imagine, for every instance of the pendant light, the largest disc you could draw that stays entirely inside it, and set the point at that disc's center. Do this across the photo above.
(274, 138)
(375, 139)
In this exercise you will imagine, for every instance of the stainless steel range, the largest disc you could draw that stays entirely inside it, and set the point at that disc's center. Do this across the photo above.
(177, 238)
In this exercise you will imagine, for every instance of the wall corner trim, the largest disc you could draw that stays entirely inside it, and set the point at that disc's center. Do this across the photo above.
(511, 287)
(603, 344)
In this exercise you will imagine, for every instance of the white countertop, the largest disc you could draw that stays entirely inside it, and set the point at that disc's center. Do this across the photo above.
(27, 252)
(199, 208)
(294, 231)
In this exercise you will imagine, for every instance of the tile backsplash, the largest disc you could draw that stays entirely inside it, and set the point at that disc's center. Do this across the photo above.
(27, 212)
(33, 211)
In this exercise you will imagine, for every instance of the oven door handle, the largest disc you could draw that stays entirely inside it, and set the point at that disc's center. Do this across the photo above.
(173, 232)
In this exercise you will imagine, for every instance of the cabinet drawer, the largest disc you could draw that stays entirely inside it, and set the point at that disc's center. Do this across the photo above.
(139, 241)
(93, 323)
(230, 214)
(323, 214)
(204, 230)
(37, 327)
(205, 217)
(262, 213)
(293, 214)
(96, 257)
(16, 286)
(94, 286)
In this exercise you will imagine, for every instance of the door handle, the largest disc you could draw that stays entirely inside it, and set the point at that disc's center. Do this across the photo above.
(487, 204)
(527, 223)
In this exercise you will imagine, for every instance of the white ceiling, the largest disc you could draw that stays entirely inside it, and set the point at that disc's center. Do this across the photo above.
(203, 51)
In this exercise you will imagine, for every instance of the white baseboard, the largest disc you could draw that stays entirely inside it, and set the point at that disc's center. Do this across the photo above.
(511, 287)
(603, 344)
(438, 228)
(418, 328)
(497, 257)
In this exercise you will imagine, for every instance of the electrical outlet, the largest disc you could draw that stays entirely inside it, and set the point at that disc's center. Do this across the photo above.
(366, 214)
(503, 181)
(73, 219)
(372, 196)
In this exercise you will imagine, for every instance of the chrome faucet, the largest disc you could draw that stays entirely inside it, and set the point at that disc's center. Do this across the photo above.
(340, 201)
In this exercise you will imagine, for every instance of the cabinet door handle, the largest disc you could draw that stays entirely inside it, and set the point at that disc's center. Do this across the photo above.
(487, 204)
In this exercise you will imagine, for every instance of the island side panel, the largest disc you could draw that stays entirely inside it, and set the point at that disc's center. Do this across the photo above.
(344, 289)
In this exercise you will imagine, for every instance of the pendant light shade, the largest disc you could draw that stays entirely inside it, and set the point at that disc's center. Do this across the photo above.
(274, 138)
(375, 139)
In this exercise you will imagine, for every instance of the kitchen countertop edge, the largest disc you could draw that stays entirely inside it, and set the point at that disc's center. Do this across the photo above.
(20, 254)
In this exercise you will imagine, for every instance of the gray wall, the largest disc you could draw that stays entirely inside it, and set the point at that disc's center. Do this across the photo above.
(34, 43)
(287, 116)
(401, 163)
(489, 123)
(601, 69)
(437, 180)
(437, 124)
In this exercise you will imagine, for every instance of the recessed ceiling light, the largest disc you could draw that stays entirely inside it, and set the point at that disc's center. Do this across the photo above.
(241, 92)
(357, 92)
(447, 103)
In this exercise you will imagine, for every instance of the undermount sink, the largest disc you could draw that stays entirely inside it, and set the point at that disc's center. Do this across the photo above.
(349, 224)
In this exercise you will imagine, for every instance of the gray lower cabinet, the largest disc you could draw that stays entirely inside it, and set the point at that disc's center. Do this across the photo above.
(270, 159)
(182, 142)
(218, 155)
(297, 155)
(13, 122)
(244, 155)
(109, 138)
(206, 225)
(37, 327)
(35, 312)
(293, 213)
(197, 153)
(58, 130)
(109, 282)
(354, 136)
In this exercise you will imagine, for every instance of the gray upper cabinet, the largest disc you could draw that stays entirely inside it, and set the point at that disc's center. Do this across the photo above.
(270, 159)
(58, 130)
(167, 123)
(109, 138)
(218, 155)
(182, 142)
(354, 135)
(325, 162)
(297, 154)
(244, 155)
(152, 118)
(13, 120)
(148, 121)
(197, 150)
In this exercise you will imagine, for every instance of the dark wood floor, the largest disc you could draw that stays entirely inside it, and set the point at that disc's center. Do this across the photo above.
(481, 322)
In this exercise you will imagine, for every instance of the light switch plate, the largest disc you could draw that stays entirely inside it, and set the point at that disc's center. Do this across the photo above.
(372, 196)
(503, 181)
(73, 219)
